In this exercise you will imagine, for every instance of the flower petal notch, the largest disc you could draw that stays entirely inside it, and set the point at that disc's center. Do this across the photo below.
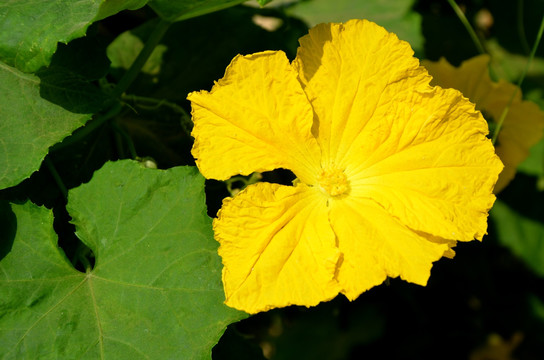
(523, 125)
(391, 172)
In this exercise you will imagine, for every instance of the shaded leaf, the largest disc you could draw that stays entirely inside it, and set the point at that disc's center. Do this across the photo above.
(30, 31)
(534, 164)
(126, 47)
(233, 32)
(396, 16)
(537, 307)
(29, 124)
(155, 291)
(70, 90)
(155, 129)
(336, 333)
(523, 235)
(185, 9)
(85, 56)
(112, 7)
(510, 66)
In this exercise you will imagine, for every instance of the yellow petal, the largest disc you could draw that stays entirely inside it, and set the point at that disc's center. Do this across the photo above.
(256, 118)
(350, 72)
(434, 168)
(376, 245)
(524, 124)
(277, 247)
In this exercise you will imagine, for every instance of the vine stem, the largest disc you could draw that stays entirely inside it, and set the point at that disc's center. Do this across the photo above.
(126, 137)
(92, 125)
(186, 122)
(467, 25)
(520, 81)
(521, 29)
(121, 87)
(153, 40)
(56, 176)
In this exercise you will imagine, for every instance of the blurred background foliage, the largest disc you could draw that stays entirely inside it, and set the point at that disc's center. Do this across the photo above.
(486, 304)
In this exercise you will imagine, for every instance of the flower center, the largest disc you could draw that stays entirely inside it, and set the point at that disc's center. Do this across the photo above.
(333, 182)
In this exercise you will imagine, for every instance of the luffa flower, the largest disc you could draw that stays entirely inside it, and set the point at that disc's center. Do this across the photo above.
(390, 171)
(523, 126)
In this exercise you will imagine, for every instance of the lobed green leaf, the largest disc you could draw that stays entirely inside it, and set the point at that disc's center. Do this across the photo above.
(30, 30)
(30, 124)
(155, 291)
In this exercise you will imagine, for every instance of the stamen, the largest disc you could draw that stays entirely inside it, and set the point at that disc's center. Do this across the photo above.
(333, 182)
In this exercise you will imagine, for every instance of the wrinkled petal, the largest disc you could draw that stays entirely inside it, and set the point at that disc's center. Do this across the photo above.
(432, 168)
(523, 126)
(350, 72)
(375, 245)
(277, 247)
(256, 118)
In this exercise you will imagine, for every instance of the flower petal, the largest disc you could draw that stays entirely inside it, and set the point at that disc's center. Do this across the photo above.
(256, 118)
(524, 124)
(278, 248)
(433, 167)
(349, 71)
(376, 245)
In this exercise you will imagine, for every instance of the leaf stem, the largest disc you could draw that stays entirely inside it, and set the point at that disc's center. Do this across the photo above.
(521, 28)
(92, 125)
(153, 40)
(520, 81)
(126, 138)
(468, 27)
(186, 122)
(56, 176)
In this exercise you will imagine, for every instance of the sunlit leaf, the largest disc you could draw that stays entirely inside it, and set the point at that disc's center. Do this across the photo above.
(30, 30)
(155, 291)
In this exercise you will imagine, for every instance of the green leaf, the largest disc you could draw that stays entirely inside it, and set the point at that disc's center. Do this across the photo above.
(70, 90)
(395, 15)
(85, 56)
(29, 124)
(522, 234)
(534, 164)
(176, 10)
(264, 2)
(30, 30)
(155, 291)
(112, 7)
(537, 307)
(127, 46)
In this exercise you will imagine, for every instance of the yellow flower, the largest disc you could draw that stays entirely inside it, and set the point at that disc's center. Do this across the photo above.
(524, 124)
(390, 171)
